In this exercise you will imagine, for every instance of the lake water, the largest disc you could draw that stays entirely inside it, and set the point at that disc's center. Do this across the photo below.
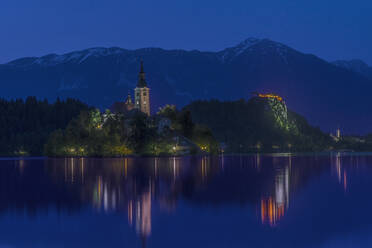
(282, 200)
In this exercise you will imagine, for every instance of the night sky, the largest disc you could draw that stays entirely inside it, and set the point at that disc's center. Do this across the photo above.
(328, 28)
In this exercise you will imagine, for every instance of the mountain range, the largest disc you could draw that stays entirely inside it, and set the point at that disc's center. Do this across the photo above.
(328, 94)
(355, 65)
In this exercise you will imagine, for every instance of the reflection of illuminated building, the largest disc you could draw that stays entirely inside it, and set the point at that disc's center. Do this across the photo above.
(143, 215)
(273, 207)
(270, 211)
(282, 188)
(104, 196)
(21, 164)
(130, 212)
(341, 174)
(338, 166)
(257, 161)
(204, 168)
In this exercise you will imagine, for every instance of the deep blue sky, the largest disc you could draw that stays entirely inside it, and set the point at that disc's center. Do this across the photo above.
(328, 28)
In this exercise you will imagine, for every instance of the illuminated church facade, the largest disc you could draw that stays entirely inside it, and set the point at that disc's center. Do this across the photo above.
(141, 97)
(142, 93)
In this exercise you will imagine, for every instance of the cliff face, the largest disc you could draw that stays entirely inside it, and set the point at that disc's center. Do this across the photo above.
(276, 111)
(279, 111)
(260, 124)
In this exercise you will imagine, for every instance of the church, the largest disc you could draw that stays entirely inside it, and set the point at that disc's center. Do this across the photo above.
(141, 97)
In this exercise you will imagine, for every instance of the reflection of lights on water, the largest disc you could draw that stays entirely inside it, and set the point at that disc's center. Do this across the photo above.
(257, 160)
(279, 194)
(204, 168)
(113, 199)
(115, 188)
(99, 190)
(130, 212)
(131, 197)
(271, 212)
(273, 207)
(338, 166)
(341, 174)
(82, 170)
(105, 198)
(287, 177)
(143, 215)
(21, 165)
(222, 162)
(345, 180)
(282, 187)
(174, 168)
(125, 167)
(156, 167)
(72, 170)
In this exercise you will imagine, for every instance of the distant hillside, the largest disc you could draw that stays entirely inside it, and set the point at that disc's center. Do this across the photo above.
(355, 65)
(26, 125)
(260, 124)
(328, 95)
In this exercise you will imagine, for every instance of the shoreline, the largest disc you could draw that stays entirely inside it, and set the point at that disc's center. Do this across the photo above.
(270, 154)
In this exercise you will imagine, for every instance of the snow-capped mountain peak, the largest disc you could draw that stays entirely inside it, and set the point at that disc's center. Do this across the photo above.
(78, 57)
(229, 53)
(264, 46)
(246, 44)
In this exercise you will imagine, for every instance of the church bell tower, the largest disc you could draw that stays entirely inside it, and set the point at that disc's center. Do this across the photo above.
(142, 93)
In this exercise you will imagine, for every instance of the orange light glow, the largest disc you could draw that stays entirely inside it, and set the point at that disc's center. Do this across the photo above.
(271, 213)
(279, 98)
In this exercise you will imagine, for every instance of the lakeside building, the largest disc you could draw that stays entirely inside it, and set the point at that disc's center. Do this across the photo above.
(336, 137)
(123, 107)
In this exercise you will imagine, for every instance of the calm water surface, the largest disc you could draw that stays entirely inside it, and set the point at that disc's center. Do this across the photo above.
(226, 201)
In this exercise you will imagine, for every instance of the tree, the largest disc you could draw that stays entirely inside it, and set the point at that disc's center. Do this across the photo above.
(168, 111)
(26, 124)
(186, 123)
(140, 133)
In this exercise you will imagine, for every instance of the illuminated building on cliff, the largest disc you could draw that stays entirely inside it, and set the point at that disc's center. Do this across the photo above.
(269, 95)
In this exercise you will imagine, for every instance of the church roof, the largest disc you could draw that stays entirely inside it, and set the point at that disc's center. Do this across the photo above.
(141, 78)
(129, 99)
(121, 107)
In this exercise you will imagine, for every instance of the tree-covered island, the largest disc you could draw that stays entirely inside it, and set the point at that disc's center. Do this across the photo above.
(34, 127)
(261, 124)
(169, 132)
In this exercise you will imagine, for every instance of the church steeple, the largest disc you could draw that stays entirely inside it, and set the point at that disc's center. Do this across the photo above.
(141, 78)
(142, 71)
(142, 93)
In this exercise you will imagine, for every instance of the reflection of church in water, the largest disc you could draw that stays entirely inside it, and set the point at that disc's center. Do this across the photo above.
(123, 185)
(135, 186)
